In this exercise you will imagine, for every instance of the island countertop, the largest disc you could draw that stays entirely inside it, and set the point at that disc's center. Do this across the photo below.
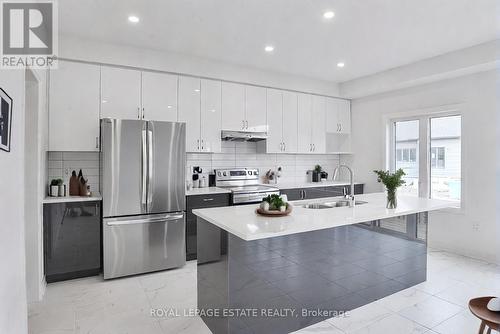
(243, 222)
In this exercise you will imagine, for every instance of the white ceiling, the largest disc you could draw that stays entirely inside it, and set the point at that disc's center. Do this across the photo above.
(370, 36)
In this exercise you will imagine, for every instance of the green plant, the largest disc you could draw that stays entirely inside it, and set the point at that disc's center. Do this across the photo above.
(56, 182)
(275, 201)
(318, 168)
(391, 182)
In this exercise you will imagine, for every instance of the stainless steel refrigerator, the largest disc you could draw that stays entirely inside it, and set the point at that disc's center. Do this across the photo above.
(144, 202)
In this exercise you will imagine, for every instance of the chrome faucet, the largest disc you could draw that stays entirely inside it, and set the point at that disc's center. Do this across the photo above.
(350, 197)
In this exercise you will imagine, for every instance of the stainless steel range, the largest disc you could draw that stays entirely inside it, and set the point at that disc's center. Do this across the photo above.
(244, 184)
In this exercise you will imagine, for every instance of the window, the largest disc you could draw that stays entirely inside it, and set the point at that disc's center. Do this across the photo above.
(446, 143)
(406, 143)
(439, 174)
(413, 155)
(406, 154)
(437, 157)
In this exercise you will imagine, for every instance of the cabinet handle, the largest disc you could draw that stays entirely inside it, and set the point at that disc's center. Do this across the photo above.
(198, 142)
(138, 113)
(208, 199)
(247, 124)
(284, 146)
(142, 113)
(202, 145)
(96, 142)
(243, 126)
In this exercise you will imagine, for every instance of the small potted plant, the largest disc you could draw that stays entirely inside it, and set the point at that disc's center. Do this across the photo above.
(316, 176)
(391, 181)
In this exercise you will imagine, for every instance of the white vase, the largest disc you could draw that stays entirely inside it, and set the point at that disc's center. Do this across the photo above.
(54, 191)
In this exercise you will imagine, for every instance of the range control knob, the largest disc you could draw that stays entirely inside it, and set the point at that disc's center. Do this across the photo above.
(224, 173)
(219, 173)
(249, 172)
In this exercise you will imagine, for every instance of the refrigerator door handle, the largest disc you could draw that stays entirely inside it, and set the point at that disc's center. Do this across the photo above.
(144, 171)
(150, 167)
(145, 220)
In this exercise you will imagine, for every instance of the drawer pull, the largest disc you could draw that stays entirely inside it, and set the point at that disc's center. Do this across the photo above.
(208, 199)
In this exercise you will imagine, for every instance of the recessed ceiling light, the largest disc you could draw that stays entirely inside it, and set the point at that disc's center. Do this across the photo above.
(133, 19)
(197, 90)
(169, 107)
(269, 48)
(329, 15)
(340, 64)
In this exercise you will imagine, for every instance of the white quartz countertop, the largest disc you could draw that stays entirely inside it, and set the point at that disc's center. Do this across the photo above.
(292, 185)
(243, 222)
(96, 196)
(207, 191)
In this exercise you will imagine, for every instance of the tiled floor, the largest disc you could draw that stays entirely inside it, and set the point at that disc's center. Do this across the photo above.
(92, 306)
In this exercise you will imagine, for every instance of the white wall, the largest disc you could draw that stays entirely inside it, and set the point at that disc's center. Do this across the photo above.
(92, 51)
(13, 310)
(34, 213)
(482, 57)
(477, 95)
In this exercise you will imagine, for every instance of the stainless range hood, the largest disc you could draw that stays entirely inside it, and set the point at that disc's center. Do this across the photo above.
(252, 136)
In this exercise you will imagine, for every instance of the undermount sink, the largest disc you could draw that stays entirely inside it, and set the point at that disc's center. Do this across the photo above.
(331, 205)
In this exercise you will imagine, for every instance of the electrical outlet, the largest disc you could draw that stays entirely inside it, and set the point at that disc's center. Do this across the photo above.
(475, 227)
(66, 171)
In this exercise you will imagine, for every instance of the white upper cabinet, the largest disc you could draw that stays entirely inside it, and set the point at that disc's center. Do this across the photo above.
(200, 108)
(189, 111)
(210, 130)
(304, 123)
(344, 116)
(255, 108)
(332, 119)
(74, 107)
(311, 124)
(120, 93)
(338, 116)
(159, 96)
(233, 106)
(80, 94)
(274, 142)
(318, 130)
(281, 121)
(290, 122)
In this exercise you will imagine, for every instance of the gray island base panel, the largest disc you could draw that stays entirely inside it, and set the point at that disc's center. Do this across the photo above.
(282, 284)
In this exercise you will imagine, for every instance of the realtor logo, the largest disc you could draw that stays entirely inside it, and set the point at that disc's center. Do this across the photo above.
(28, 33)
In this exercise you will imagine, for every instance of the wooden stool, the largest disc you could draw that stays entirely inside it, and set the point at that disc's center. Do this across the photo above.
(488, 318)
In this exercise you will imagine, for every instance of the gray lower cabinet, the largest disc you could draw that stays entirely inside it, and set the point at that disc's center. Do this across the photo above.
(296, 194)
(199, 202)
(72, 240)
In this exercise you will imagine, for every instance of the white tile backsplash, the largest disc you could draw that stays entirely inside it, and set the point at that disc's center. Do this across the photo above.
(61, 164)
(234, 154)
(245, 154)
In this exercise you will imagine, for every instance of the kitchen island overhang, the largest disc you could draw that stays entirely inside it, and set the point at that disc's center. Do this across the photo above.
(278, 275)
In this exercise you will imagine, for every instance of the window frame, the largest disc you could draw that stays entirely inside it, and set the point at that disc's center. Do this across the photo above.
(424, 117)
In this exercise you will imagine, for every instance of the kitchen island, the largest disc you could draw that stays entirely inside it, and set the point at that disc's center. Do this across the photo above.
(277, 275)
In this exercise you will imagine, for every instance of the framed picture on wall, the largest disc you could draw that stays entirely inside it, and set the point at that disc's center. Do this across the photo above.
(5, 120)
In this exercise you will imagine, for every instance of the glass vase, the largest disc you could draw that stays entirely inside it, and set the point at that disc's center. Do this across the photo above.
(392, 199)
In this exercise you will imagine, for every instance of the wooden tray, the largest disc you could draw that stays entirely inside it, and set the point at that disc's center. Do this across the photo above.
(274, 213)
